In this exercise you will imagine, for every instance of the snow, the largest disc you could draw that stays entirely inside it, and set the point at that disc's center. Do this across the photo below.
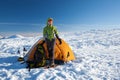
(97, 57)
(16, 36)
(1, 37)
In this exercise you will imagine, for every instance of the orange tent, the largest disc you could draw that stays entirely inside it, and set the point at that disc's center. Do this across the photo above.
(61, 51)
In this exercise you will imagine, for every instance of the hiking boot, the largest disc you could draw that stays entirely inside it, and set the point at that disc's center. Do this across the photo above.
(52, 65)
(47, 65)
(47, 62)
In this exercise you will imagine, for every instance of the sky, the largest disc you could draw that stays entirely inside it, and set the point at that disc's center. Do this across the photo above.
(68, 15)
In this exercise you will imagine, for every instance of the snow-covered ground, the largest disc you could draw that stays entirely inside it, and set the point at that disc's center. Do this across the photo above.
(97, 57)
(1, 37)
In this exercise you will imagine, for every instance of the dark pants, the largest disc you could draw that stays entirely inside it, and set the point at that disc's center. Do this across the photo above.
(50, 47)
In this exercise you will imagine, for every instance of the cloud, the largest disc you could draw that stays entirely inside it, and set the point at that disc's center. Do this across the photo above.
(89, 25)
(64, 25)
(23, 24)
(61, 27)
(79, 27)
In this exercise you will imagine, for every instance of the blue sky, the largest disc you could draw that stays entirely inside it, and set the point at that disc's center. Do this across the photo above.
(68, 15)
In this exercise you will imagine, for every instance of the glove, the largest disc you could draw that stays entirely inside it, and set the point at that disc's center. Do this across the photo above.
(60, 41)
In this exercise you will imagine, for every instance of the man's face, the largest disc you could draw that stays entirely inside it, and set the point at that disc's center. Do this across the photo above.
(50, 22)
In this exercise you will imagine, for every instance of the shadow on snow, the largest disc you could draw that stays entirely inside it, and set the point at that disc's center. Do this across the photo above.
(11, 63)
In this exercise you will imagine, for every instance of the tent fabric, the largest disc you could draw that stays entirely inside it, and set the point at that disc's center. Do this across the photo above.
(61, 51)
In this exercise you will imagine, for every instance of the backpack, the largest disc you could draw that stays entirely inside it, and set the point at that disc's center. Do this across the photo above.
(39, 58)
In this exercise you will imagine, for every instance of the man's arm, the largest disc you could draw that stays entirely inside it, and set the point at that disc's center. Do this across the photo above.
(44, 33)
(56, 34)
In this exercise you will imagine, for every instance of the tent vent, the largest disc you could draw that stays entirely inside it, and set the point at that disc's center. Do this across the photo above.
(68, 54)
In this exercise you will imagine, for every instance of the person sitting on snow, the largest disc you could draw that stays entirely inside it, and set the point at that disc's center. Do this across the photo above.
(50, 33)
